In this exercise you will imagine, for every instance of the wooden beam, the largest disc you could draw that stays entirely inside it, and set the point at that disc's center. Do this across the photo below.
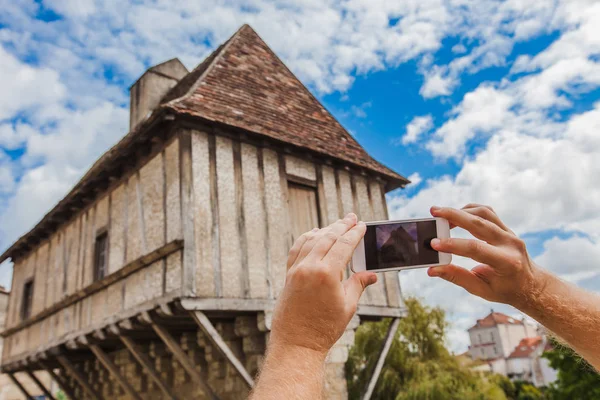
(59, 381)
(146, 363)
(217, 341)
(224, 304)
(381, 311)
(18, 384)
(114, 371)
(184, 360)
(40, 385)
(70, 368)
(387, 343)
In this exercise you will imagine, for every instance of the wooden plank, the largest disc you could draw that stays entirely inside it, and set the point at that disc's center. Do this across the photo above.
(387, 343)
(146, 363)
(255, 218)
(217, 341)
(221, 304)
(114, 371)
(40, 385)
(205, 226)
(263, 203)
(70, 368)
(214, 209)
(184, 360)
(231, 257)
(18, 384)
(322, 198)
(241, 217)
(59, 381)
(97, 286)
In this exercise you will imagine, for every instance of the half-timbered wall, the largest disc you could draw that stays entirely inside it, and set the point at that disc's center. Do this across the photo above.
(142, 215)
(245, 202)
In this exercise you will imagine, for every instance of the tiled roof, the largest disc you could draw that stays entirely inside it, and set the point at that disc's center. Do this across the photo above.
(525, 347)
(245, 85)
(494, 319)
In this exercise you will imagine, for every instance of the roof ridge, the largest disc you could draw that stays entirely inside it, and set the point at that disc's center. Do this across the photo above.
(220, 51)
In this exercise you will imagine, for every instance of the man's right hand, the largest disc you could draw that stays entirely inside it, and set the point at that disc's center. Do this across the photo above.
(506, 273)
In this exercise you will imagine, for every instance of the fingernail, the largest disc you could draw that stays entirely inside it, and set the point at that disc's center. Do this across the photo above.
(435, 208)
(361, 223)
(351, 216)
(432, 272)
(372, 279)
(314, 229)
(435, 242)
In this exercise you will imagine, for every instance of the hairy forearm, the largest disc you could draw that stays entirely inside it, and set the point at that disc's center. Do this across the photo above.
(571, 313)
(290, 372)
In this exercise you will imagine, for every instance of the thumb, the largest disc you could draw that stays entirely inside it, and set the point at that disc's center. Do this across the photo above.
(461, 277)
(356, 284)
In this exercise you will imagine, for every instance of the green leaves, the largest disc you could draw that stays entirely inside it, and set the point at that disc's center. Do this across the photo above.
(418, 366)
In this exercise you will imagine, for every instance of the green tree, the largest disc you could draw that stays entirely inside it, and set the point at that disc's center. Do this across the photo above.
(576, 378)
(418, 366)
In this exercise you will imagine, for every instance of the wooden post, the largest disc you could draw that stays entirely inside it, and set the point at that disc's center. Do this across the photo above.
(114, 371)
(18, 384)
(147, 365)
(183, 359)
(59, 381)
(70, 368)
(217, 341)
(40, 385)
(387, 343)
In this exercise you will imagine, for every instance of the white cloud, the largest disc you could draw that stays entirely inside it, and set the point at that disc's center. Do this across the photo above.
(415, 180)
(416, 128)
(574, 259)
(481, 111)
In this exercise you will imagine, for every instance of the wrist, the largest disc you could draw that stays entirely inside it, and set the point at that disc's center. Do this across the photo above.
(532, 292)
(283, 350)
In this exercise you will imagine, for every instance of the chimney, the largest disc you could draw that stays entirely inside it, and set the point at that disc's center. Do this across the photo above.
(153, 85)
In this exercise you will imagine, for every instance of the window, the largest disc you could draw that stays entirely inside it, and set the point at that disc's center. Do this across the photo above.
(100, 256)
(27, 300)
(303, 208)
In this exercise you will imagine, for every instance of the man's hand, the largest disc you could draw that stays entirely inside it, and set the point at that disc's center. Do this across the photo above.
(506, 273)
(312, 311)
(315, 305)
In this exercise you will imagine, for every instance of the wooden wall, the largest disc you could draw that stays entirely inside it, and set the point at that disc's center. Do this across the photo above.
(241, 226)
(141, 213)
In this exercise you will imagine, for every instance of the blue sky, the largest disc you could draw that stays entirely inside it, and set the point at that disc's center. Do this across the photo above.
(495, 102)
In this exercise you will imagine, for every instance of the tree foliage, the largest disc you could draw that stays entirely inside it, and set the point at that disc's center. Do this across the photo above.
(418, 365)
(576, 378)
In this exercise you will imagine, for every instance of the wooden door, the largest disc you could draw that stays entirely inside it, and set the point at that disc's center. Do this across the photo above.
(303, 208)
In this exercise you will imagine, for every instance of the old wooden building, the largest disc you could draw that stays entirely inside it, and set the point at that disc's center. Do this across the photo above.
(156, 275)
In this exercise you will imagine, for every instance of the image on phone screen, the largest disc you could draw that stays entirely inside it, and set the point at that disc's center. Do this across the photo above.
(400, 245)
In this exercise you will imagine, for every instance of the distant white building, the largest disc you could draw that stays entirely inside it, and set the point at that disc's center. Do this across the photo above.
(497, 335)
(511, 347)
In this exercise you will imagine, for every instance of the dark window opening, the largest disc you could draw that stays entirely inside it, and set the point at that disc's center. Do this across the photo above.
(303, 208)
(27, 299)
(101, 256)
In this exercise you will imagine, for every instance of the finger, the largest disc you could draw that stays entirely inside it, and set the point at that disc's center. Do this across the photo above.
(356, 285)
(486, 213)
(325, 241)
(341, 252)
(479, 227)
(461, 277)
(474, 249)
(295, 250)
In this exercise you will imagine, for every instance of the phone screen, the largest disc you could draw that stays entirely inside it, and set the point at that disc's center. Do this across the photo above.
(400, 244)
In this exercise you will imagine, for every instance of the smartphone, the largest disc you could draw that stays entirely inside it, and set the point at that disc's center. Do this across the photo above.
(399, 245)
